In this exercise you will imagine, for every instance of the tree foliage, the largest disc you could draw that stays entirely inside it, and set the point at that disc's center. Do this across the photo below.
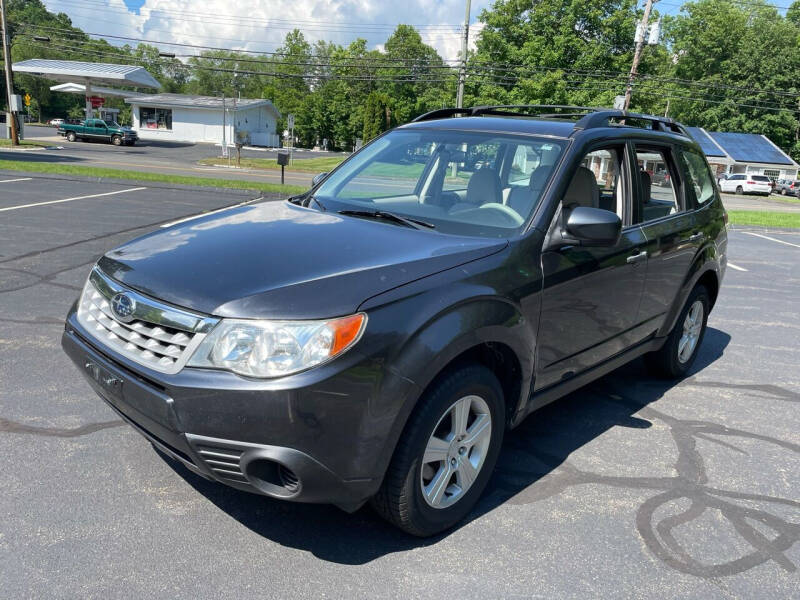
(721, 64)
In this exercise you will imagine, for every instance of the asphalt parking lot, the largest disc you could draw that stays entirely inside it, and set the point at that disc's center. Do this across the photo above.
(630, 487)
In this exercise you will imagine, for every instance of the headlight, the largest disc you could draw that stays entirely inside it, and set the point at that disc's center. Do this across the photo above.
(276, 348)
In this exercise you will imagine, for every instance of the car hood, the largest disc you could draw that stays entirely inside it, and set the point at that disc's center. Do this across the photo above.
(279, 260)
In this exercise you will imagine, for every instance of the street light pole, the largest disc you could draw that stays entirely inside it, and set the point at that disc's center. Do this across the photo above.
(462, 74)
(637, 54)
(9, 75)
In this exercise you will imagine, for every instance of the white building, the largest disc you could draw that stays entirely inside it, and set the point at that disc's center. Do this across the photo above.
(182, 118)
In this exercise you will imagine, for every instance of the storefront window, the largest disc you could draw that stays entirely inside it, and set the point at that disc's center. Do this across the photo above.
(155, 118)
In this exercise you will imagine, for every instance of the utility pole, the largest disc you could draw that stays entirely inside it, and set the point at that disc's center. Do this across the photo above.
(9, 75)
(637, 55)
(462, 74)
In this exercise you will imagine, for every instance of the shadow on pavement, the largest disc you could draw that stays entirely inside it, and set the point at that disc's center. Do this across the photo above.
(534, 466)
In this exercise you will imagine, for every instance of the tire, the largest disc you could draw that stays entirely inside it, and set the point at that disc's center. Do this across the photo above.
(116, 140)
(401, 499)
(783, 191)
(739, 190)
(672, 360)
(71, 137)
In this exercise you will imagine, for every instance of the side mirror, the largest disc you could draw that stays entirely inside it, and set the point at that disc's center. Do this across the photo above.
(593, 226)
(318, 179)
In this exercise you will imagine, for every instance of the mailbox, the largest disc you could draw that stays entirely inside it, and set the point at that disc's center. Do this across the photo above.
(283, 158)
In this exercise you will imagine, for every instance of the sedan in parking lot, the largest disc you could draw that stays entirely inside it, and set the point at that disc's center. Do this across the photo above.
(746, 184)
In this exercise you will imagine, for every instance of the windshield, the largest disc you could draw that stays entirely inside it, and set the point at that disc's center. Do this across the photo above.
(113, 124)
(465, 183)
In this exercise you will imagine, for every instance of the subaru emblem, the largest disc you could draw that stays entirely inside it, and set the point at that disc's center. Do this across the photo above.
(123, 306)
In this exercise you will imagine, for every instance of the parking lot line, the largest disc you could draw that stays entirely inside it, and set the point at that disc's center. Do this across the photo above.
(736, 267)
(13, 180)
(772, 239)
(71, 199)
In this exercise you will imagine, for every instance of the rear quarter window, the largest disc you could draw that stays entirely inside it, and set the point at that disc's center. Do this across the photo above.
(701, 183)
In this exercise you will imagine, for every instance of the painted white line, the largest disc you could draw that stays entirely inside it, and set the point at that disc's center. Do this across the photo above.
(772, 239)
(71, 199)
(736, 267)
(210, 212)
(13, 180)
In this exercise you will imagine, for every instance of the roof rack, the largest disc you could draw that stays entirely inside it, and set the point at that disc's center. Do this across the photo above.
(589, 117)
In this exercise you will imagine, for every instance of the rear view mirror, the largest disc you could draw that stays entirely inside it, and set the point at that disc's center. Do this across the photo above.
(593, 226)
(318, 179)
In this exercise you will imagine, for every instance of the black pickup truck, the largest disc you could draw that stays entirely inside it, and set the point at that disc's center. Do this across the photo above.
(98, 129)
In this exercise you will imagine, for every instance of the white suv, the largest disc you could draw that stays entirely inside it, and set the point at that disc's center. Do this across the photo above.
(746, 184)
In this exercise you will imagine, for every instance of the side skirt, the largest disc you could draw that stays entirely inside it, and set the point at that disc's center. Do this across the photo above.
(554, 392)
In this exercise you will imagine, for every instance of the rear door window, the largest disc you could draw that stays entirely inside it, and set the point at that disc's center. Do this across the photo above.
(658, 197)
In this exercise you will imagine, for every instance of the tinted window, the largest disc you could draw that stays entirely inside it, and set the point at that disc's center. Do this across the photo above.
(699, 176)
(760, 178)
(658, 198)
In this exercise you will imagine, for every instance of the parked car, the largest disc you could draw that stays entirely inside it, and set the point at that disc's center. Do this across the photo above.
(429, 310)
(746, 184)
(787, 187)
(98, 129)
(55, 122)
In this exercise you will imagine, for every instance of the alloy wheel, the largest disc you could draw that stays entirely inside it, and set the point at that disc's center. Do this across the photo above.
(456, 451)
(692, 327)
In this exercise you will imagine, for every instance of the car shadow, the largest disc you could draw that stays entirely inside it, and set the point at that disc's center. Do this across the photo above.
(538, 447)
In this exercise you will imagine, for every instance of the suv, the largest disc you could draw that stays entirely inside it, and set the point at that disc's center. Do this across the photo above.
(787, 187)
(747, 184)
(373, 338)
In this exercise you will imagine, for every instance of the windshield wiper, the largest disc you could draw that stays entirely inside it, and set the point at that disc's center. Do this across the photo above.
(389, 216)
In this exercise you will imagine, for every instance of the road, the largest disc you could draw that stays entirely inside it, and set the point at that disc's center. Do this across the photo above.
(153, 156)
(629, 487)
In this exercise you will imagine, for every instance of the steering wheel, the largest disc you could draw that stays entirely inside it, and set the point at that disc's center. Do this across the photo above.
(506, 211)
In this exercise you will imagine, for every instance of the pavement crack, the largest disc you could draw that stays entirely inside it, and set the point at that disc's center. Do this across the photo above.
(9, 426)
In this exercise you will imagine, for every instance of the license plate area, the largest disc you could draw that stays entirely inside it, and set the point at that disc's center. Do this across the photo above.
(108, 382)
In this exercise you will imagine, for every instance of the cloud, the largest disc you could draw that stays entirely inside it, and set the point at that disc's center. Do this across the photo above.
(262, 25)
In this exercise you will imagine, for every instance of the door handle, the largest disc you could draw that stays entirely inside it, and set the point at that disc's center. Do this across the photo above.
(697, 237)
(637, 258)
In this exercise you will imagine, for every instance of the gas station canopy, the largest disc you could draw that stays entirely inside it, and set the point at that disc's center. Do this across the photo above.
(69, 71)
(79, 88)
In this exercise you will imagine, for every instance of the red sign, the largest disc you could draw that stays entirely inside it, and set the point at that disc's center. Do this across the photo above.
(96, 101)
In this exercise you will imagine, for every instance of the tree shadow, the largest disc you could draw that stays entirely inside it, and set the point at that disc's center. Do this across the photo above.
(538, 447)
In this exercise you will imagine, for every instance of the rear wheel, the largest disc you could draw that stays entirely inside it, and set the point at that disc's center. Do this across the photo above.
(783, 191)
(678, 353)
(739, 190)
(446, 453)
(71, 137)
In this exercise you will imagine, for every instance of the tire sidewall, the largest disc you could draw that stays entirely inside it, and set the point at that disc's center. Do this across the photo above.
(71, 137)
(479, 382)
(678, 367)
(116, 140)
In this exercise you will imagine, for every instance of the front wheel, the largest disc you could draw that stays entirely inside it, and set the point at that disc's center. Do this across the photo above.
(783, 192)
(446, 453)
(679, 352)
(116, 140)
(71, 137)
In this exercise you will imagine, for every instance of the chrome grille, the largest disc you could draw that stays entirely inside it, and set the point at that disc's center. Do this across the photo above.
(157, 336)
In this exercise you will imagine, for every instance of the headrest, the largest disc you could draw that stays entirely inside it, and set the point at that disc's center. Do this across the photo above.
(484, 187)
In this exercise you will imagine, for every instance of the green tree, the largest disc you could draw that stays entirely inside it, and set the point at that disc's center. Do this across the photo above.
(377, 115)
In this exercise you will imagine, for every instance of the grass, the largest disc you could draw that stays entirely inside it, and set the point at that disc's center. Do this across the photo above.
(764, 218)
(306, 165)
(62, 169)
(7, 144)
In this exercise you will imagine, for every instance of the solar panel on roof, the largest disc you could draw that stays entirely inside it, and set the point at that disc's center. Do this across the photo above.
(706, 143)
(750, 147)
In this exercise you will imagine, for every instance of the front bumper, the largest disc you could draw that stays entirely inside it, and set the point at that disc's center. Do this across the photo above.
(315, 437)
